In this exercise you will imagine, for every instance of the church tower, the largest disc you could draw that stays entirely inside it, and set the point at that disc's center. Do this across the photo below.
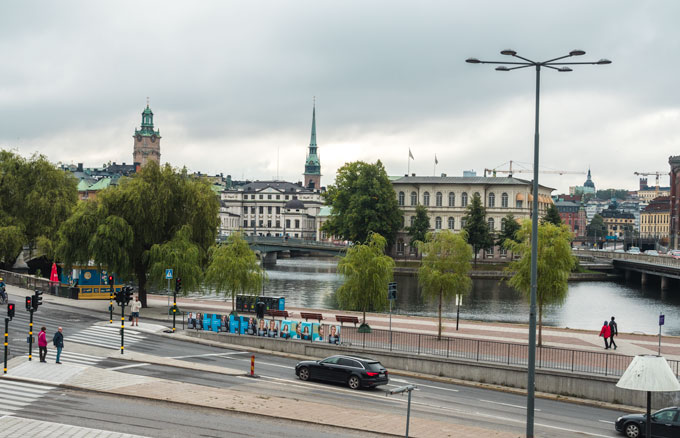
(312, 164)
(147, 141)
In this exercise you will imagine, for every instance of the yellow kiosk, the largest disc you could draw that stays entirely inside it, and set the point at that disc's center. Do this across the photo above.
(92, 284)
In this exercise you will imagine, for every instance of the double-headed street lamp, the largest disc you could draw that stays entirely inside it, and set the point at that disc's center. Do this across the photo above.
(560, 67)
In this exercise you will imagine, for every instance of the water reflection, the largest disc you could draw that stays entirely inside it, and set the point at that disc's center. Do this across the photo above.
(311, 282)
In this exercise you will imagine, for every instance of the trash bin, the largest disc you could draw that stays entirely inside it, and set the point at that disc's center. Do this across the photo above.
(259, 309)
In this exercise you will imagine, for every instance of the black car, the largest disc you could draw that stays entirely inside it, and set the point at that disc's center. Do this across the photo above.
(665, 424)
(356, 372)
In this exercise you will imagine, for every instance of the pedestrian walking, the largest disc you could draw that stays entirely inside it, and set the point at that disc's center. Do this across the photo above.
(58, 341)
(42, 344)
(614, 331)
(136, 307)
(605, 333)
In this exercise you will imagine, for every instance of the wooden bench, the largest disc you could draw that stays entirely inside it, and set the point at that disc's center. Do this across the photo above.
(308, 316)
(274, 313)
(343, 318)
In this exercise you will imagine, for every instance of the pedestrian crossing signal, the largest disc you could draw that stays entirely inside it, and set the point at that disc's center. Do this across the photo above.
(392, 291)
(119, 297)
(178, 284)
(29, 303)
(110, 280)
(127, 291)
(37, 299)
(10, 310)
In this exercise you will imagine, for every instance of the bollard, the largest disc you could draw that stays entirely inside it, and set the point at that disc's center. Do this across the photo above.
(252, 366)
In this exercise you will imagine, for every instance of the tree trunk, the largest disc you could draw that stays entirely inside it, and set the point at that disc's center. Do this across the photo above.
(439, 336)
(140, 271)
(364, 316)
(540, 325)
(475, 250)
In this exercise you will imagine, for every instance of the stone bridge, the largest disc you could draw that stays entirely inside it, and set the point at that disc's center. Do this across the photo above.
(270, 248)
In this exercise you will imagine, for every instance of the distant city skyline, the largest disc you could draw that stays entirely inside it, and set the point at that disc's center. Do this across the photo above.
(232, 86)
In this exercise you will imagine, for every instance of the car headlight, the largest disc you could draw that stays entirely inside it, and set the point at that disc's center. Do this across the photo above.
(618, 419)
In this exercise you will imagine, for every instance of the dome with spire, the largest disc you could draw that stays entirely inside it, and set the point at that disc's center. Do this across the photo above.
(589, 182)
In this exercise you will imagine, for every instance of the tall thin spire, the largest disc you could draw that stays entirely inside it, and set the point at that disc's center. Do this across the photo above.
(312, 141)
(312, 163)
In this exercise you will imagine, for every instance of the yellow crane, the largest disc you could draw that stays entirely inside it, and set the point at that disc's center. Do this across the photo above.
(510, 172)
(657, 173)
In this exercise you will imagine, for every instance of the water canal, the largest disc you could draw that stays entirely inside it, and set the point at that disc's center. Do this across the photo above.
(310, 282)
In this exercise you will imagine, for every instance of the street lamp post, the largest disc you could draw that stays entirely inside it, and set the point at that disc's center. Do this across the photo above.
(560, 67)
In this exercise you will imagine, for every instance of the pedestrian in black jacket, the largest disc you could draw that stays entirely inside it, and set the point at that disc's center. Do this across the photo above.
(614, 330)
(58, 341)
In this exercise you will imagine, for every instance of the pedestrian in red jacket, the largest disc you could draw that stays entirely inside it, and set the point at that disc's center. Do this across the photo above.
(606, 333)
(42, 344)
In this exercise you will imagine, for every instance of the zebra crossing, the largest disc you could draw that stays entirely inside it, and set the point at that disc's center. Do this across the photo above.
(104, 336)
(71, 357)
(14, 395)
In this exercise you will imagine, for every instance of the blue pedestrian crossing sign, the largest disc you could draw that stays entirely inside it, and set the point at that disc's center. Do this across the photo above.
(168, 274)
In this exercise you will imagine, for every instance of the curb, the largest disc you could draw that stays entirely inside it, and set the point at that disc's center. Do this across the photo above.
(141, 397)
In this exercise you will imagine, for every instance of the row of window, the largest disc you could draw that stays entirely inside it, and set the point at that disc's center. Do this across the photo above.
(412, 249)
(491, 199)
(451, 223)
(269, 196)
(654, 219)
(261, 210)
(269, 224)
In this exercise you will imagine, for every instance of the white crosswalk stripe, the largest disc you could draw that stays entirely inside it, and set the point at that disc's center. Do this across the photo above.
(14, 396)
(104, 336)
(71, 357)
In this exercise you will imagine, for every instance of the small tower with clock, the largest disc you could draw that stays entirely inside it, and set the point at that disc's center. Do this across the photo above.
(147, 141)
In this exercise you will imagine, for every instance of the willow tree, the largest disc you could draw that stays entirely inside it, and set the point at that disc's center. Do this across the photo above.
(445, 267)
(35, 198)
(158, 208)
(554, 264)
(367, 271)
(233, 268)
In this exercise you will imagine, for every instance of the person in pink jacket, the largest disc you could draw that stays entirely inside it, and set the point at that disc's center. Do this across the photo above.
(42, 344)
(606, 333)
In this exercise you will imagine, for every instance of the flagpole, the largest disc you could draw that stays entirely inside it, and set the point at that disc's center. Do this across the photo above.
(408, 167)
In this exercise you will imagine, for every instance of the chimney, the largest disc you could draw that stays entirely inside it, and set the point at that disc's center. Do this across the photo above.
(80, 167)
(643, 183)
(413, 174)
(443, 175)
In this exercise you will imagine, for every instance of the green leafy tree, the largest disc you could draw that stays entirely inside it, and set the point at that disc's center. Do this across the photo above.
(445, 267)
(367, 270)
(476, 226)
(612, 193)
(596, 228)
(35, 198)
(158, 208)
(554, 264)
(552, 216)
(362, 202)
(509, 228)
(421, 226)
(233, 268)
(181, 254)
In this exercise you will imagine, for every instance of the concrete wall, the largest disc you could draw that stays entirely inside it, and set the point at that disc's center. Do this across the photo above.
(585, 386)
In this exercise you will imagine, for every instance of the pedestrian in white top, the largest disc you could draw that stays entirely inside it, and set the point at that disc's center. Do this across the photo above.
(135, 308)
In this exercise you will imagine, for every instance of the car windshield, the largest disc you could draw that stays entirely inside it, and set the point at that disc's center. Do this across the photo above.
(329, 360)
(374, 366)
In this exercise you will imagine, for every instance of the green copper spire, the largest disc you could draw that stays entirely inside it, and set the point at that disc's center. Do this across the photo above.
(147, 124)
(312, 164)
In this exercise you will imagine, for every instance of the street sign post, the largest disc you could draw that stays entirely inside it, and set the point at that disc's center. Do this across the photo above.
(391, 295)
(459, 302)
(168, 274)
(662, 320)
(408, 388)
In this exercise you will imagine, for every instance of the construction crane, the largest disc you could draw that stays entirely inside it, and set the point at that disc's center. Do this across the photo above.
(510, 172)
(657, 173)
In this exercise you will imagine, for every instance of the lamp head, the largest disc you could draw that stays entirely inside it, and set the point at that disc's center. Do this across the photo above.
(473, 61)
(508, 52)
(603, 62)
(577, 52)
(564, 69)
(502, 68)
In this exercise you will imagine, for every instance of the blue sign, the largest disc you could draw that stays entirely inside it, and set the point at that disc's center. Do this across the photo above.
(661, 319)
(168, 274)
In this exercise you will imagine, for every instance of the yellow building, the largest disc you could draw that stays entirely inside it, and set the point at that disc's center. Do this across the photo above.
(655, 218)
(617, 222)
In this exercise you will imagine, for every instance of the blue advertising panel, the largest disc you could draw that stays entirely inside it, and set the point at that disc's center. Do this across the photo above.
(306, 329)
(233, 324)
(334, 335)
(287, 329)
(282, 303)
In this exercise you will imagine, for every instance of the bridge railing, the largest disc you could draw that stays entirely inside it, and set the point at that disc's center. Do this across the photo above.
(642, 258)
(279, 240)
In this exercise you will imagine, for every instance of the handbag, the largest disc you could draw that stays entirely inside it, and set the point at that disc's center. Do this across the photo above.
(131, 318)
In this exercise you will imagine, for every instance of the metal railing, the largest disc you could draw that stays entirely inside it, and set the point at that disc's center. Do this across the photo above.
(32, 282)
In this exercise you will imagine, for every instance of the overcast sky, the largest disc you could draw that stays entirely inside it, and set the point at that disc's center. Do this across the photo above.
(231, 84)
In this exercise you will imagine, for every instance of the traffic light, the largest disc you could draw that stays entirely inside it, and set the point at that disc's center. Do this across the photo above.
(37, 299)
(178, 284)
(10, 310)
(392, 291)
(119, 297)
(127, 290)
(29, 301)
(111, 280)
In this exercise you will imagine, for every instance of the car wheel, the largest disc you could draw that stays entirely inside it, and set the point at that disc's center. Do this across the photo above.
(354, 382)
(304, 373)
(632, 430)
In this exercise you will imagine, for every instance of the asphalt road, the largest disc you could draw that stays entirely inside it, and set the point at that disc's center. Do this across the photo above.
(435, 400)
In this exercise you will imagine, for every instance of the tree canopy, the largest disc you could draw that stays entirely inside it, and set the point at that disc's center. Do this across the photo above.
(476, 226)
(445, 267)
(552, 215)
(554, 264)
(421, 225)
(509, 228)
(35, 198)
(144, 224)
(362, 202)
(233, 268)
(367, 271)
(596, 228)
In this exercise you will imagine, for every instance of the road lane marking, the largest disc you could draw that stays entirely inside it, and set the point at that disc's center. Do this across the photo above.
(424, 386)
(209, 355)
(134, 365)
(606, 421)
(507, 404)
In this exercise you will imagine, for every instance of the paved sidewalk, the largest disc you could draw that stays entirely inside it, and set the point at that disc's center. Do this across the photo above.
(628, 344)
(11, 427)
(244, 401)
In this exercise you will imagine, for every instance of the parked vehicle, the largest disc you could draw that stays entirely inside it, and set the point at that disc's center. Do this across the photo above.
(675, 253)
(652, 252)
(665, 424)
(355, 372)
(633, 250)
